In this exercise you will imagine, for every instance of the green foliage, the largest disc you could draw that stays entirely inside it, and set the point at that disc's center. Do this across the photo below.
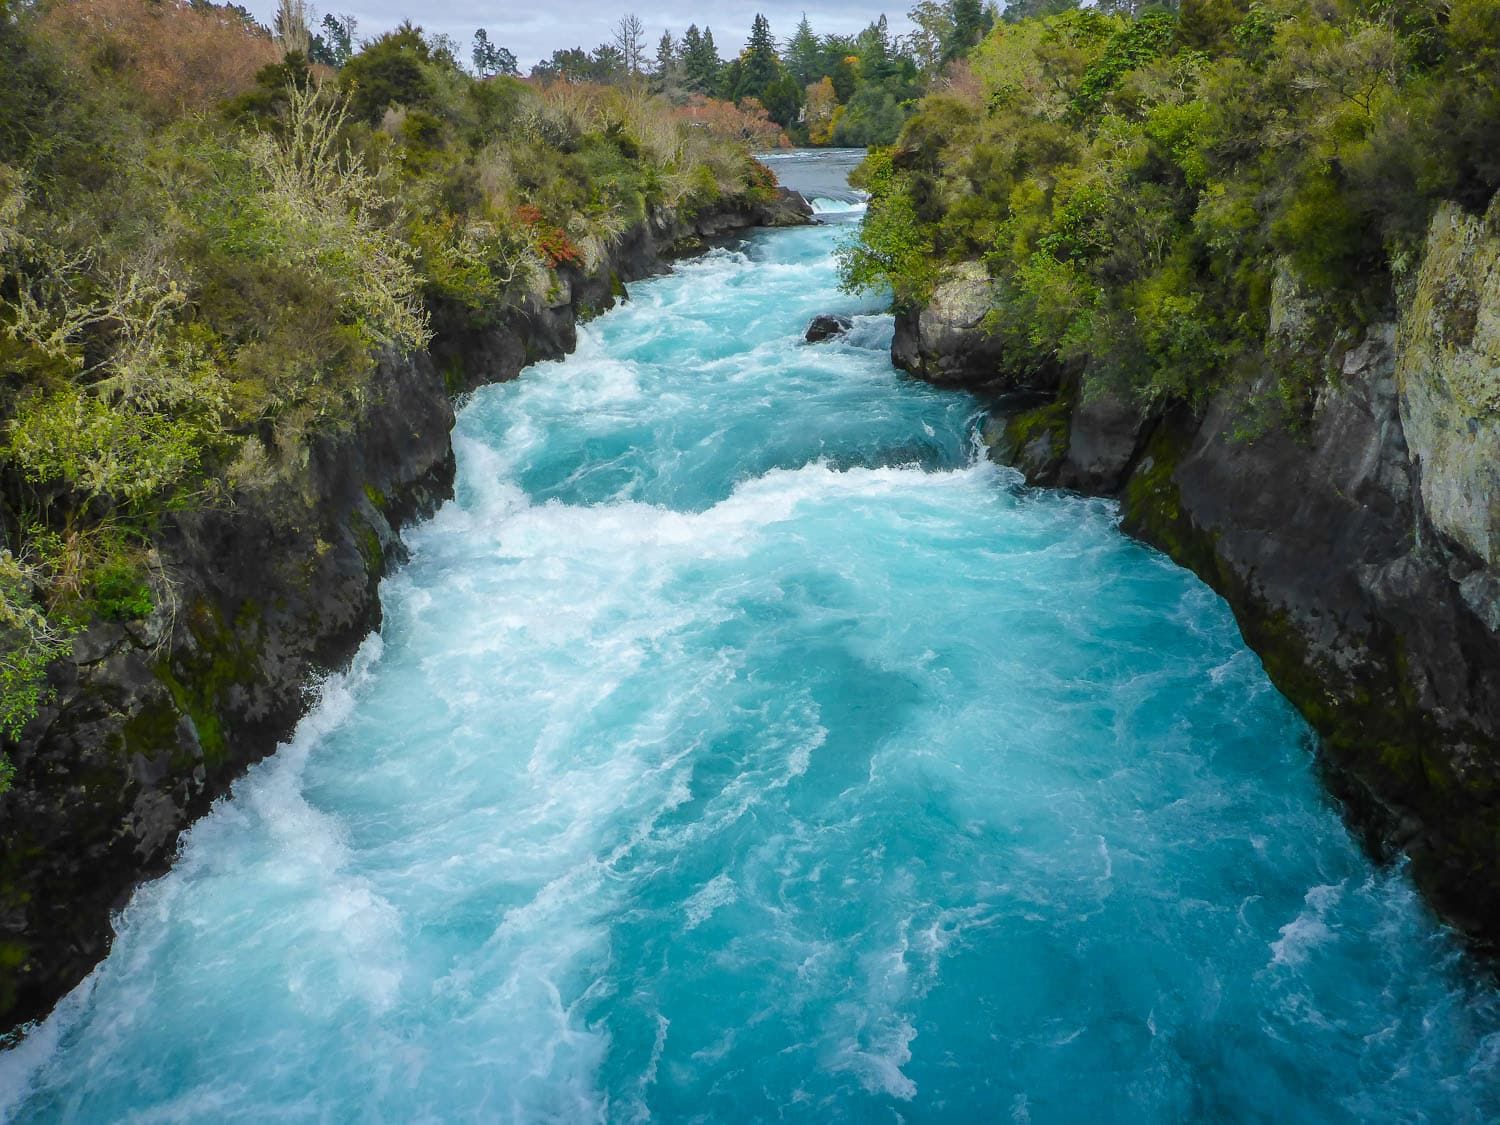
(396, 69)
(759, 64)
(187, 299)
(28, 643)
(1133, 45)
(120, 593)
(893, 248)
(872, 117)
(1133, 182)
(873, 77)
(99, 449)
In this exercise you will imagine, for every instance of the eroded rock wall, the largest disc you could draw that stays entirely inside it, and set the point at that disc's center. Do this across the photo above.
(1358, 549)
(151, 721)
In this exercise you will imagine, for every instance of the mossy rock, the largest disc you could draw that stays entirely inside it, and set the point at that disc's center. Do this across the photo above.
(228, 657)
(1034, 440)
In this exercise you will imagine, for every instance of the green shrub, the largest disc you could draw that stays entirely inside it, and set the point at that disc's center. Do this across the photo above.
(186, 297)
(1132, 181)
(120, 593)
(28, 643)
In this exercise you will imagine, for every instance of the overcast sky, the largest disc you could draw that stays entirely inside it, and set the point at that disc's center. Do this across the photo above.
(534, 30)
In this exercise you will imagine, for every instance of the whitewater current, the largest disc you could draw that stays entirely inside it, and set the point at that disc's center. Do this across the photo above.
(740, 744)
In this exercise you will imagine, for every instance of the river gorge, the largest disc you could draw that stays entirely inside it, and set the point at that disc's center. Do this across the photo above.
(740, 742)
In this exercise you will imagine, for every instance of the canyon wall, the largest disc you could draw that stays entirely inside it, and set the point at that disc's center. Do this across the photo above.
(150, 721)
(1357, 543)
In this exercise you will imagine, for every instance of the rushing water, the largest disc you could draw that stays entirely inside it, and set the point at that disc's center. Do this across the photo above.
(741, 745)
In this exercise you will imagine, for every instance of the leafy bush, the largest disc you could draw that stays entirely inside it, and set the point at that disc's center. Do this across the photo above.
(172, 55)
(120, 593)
(201, 262)
(1133, 183)
(28, 643)
(893, 248)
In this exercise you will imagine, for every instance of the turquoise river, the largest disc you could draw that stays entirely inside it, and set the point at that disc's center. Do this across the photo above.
(742, 745)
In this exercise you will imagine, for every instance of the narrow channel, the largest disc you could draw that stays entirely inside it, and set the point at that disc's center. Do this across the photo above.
(741, 744)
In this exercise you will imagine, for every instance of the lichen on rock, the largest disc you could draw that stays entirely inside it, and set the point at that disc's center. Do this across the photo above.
(1449, 379)
(946, 340)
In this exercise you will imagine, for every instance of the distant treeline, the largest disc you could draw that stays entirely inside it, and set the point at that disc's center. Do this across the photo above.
(820, 89)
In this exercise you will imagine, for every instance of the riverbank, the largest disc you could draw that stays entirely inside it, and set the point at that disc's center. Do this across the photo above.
(151, 721)
(1258, 313)
(740, 738)
(1354, 547)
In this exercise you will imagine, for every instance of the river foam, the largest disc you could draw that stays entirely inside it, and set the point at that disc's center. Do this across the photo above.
(740, 744)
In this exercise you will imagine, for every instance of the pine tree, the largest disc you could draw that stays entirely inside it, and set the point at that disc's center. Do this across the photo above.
(783, 99)
(666, 52)
(338, 35)
(667, 73)
(713, 65)
(700, 60)
(970, 24)
(804, 54)
(760, 65)
(876, 65)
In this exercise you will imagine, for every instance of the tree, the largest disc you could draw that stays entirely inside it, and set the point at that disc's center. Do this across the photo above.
(291, 27)
(392, 70)
(483, 54)
(491, 58)
(821, 103)
(668, 72)
(334, 45)
(607, 63)
(783, 100)
(804, 55)
(567, 64)
(1018, 10)
(843, 58)
(630, 41)
(872, 118)
(971, 22)
(700, 60)
(876, 64)
(445, 50)
(760, 65)
(928, 44)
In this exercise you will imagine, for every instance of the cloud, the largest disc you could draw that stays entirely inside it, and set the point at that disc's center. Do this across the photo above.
(535, 34)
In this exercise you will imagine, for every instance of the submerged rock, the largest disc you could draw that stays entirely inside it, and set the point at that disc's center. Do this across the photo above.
(827, 326)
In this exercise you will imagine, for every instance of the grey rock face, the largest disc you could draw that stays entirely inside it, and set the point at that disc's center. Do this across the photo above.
(1359, 551)
(945, 341)
(1449, 378)
(1103, 441)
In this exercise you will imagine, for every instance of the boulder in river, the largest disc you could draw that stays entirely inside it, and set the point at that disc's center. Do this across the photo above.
(828, 326)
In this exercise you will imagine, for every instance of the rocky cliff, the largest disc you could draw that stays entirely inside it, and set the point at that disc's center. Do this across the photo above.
(1359, 546)
(151, 721)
